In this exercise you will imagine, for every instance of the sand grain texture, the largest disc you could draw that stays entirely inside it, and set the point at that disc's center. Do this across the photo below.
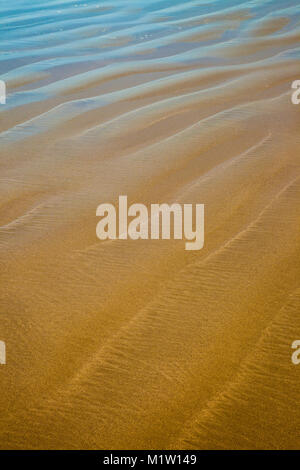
(141, 344)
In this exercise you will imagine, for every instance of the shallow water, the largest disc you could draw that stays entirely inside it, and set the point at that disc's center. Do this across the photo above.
(141, 344)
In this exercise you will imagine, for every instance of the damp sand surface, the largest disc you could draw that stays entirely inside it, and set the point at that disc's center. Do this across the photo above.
(141, 344)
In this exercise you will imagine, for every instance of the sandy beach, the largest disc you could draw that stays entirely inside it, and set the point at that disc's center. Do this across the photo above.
(140, 344)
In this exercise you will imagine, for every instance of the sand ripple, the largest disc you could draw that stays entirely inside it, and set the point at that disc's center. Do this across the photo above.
(140, 344)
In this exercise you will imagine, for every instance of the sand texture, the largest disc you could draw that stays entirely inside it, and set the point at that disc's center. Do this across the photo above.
(141, 344)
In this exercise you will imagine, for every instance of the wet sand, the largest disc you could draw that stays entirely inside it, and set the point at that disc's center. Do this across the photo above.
(140, 344)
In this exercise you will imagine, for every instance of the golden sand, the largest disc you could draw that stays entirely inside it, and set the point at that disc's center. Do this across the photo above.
(141, 344)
